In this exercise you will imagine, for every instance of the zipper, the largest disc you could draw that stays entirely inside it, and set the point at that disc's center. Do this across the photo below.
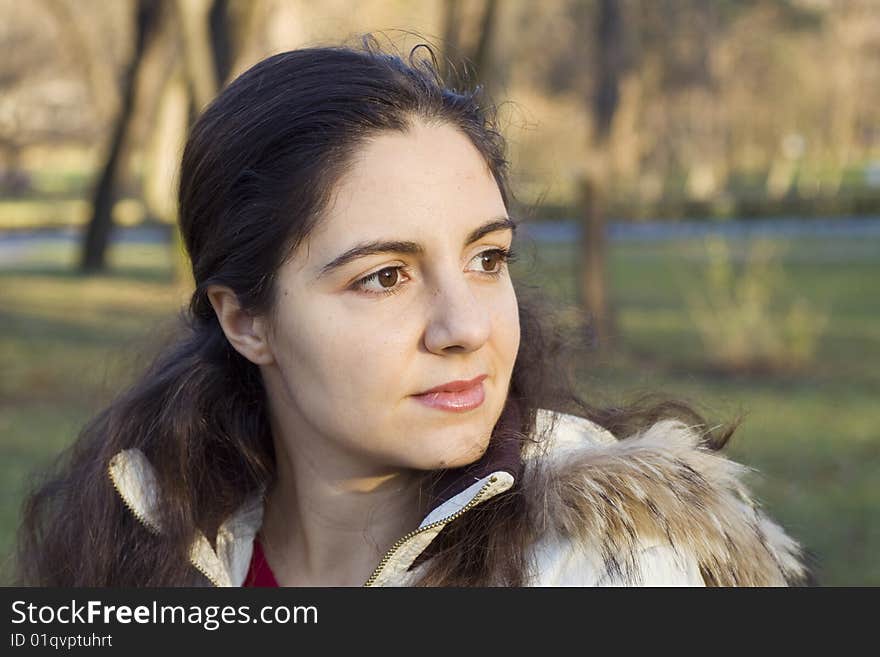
(382, 563)
(153, 529)
(394, 548)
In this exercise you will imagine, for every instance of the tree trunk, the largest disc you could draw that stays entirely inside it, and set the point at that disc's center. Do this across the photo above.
(484, 42)
(593, 192)
(594, 282)
(207, 44)
(201, 65)
(97, 237)
(221, 40)
(451, 32)
(464, 67)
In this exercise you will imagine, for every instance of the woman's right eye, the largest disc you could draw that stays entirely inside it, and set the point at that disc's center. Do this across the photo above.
(382, 282)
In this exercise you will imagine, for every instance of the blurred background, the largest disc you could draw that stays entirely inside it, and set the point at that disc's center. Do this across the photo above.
(698, 180)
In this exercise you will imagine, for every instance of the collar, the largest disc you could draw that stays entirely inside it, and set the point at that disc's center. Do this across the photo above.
(503, 455)
(456, 492)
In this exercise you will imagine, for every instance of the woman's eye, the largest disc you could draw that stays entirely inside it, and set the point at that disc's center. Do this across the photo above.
(491, 261)
(383, 281)
(387, 280)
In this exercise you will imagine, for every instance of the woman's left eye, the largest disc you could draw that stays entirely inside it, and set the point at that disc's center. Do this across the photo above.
(387, 280)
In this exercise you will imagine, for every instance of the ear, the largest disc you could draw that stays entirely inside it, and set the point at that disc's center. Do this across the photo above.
(246, 333)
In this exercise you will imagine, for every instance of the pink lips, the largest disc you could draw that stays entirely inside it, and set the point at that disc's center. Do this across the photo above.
(455, 396)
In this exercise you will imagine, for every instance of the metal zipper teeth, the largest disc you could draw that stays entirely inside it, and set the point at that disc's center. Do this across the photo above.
(150, 527)
(388, 555)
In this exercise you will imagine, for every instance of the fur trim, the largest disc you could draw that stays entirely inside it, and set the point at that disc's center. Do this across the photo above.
(663, 486)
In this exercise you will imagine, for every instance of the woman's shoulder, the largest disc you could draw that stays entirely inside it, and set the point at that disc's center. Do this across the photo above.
(655, 507)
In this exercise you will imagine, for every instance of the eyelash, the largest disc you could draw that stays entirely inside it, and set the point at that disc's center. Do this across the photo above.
(507, 256)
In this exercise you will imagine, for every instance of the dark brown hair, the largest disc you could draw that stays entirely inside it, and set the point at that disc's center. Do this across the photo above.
(257, 172)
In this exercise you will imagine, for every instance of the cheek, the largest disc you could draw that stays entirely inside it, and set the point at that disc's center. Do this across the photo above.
(329, 357)
(506, 327)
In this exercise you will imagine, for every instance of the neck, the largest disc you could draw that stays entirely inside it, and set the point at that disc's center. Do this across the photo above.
(328, 522)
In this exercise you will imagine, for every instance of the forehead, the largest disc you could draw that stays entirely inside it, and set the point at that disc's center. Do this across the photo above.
(427, 182)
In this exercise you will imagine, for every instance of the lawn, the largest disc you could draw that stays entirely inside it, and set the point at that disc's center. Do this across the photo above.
(67, 344)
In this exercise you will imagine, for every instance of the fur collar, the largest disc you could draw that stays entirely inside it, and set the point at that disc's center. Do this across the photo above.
(657, 487)
(604, 497)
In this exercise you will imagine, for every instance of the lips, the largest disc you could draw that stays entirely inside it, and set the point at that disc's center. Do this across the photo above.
(466, 396)
(456, 386)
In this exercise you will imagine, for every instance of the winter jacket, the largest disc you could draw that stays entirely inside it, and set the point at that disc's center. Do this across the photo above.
(654, 509)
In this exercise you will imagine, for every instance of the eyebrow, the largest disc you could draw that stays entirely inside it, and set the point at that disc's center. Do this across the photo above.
(397, 246)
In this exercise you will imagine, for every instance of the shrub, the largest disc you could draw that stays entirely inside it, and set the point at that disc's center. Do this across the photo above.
(747, 316)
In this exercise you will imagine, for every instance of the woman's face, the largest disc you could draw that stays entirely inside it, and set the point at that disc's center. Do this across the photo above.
(356, 337)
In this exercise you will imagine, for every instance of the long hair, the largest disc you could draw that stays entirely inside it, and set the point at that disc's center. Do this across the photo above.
(257, 172)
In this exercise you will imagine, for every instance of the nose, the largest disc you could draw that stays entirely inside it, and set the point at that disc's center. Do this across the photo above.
(459, 319)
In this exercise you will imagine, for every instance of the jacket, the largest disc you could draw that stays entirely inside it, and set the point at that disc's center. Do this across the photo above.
(654, 509)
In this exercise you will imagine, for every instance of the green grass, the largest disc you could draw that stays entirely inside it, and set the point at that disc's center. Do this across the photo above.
(813, 437)
(68, 343)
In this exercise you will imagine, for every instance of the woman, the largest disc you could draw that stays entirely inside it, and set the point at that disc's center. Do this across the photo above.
(358, 395)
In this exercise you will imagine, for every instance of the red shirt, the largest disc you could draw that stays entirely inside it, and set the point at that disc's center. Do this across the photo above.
(259, 574)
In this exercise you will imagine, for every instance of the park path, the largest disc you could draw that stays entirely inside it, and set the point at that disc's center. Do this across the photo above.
(16, 246)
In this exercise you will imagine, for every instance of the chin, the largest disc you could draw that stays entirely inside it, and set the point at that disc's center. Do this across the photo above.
(457, 456)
